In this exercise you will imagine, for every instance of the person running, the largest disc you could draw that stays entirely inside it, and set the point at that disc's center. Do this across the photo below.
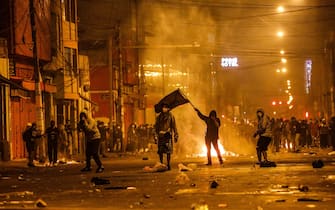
(212, 134)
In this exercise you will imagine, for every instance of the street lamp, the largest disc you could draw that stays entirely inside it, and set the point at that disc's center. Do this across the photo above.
(280, 9)
(280, 34)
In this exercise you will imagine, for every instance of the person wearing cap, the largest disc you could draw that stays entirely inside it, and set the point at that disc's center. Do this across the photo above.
(92, 136)
(212, 134)
(264, 133)
(165, 134)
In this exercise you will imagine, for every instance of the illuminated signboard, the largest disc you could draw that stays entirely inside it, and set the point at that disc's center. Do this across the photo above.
(229, 62)
(308, 75)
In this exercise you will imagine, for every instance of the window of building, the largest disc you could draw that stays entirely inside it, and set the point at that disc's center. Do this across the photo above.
(70, 10)
(70, 56)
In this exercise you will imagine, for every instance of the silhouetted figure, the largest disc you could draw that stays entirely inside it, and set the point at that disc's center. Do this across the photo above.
(52, 133)
(165, 134)
(212, 134)
(92, 136)
(264, 133)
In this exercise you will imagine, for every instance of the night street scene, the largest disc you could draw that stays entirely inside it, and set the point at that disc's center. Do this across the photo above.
(167, 104)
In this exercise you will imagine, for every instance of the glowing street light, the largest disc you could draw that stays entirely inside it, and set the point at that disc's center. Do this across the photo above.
(280, 34)
(280, 9)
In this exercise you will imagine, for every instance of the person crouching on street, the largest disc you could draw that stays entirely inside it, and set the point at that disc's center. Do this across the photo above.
(92, 136)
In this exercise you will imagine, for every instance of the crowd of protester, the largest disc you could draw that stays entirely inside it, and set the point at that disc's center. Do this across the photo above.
(295, 134)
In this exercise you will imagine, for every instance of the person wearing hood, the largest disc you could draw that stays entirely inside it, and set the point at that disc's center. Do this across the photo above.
(165, 134)
(212, 134)
(92, 136)
(264, 133)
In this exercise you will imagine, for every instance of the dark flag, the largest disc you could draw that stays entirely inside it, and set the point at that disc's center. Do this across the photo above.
(173, 100)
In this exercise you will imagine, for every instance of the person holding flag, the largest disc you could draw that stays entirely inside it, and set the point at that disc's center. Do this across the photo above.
(212, 134)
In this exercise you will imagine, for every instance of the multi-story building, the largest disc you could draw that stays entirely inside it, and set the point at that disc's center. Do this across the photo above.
(51, 70)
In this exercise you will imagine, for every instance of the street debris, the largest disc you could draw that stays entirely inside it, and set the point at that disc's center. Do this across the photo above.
(317, 164)
(20, 177)
(158, 167)
(330, 177)
(186, 191)
(146, 195)
(214, 184)
(201, 205)
(266, 164)
(308, 200)
(145, 158)
(182, 178)
(182, 167)
(120, 188)
(99, 181)
(222, 205)
(331, 153)
(41, 203)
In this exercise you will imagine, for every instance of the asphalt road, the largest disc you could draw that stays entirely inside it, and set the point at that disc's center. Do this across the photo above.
(239, 184)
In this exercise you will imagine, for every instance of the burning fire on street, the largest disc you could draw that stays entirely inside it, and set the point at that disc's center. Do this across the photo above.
(224, 152)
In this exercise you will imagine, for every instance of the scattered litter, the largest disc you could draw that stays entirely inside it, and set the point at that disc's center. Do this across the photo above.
(20, 177)
(259, 208)
(222, 205)
(99, 181)
(5, 177)
(193, 166)
(158, 167)
(120, 188)
(303, 188)
(186, 191)
(280, 200)
(199, 206)
(214, 184)
(317, 164)
(330, 177)
(311, 206)
(145, 158)
(266, 164)
(308, 200)
(182, 179)
(193, 185)
(146, 195)
(182, 167)
(41, 203)
(331, 153)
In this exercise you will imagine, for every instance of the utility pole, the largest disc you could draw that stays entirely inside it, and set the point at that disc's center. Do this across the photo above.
(120, 108)
(37, 74)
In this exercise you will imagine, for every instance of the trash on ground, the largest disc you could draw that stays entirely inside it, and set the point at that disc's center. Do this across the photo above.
(146, 195)
(222, 205)
(99, 181)
(120, 188)
(308, 200)
(182, 179)
(158, 167)
(41, 203)
(317, 164)
(145, 158)
(214, 184)
(182, 167)
(192, 166)
(186, 191)
(330, 177)
(266, 164)
(201, 205)
(331, 153)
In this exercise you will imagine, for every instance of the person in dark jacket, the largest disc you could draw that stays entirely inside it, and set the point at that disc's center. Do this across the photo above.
(264, 132)
(92, 136)
(165, 134)
(212, 134)
(52, 133)
(30, 143)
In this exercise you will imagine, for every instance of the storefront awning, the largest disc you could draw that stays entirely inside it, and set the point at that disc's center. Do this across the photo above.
(11, 83)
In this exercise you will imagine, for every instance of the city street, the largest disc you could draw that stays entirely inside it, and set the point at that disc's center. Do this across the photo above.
(238, 184)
